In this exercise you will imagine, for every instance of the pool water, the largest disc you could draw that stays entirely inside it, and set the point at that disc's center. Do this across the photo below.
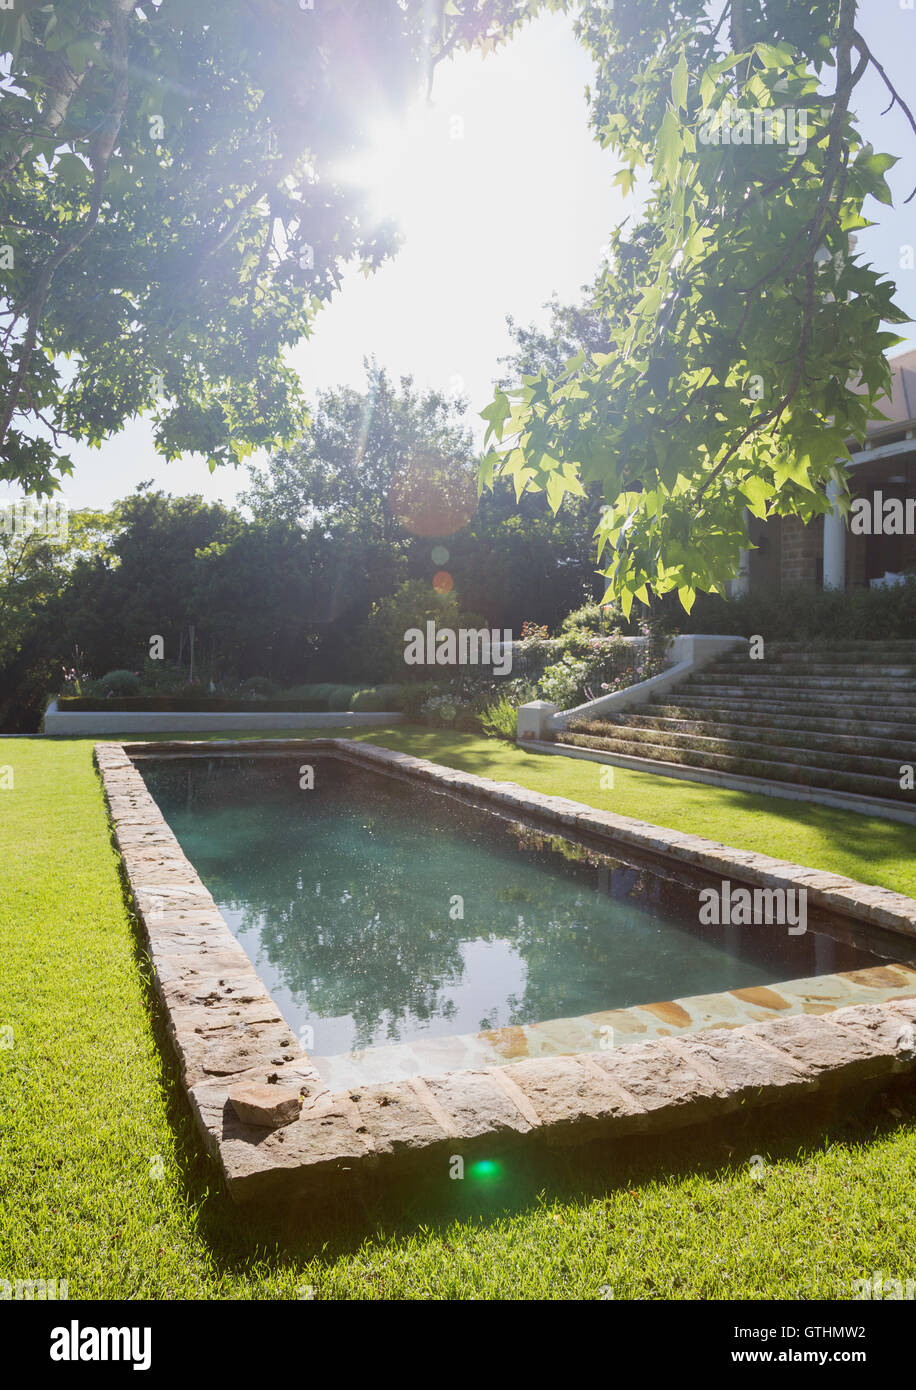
(380, 911)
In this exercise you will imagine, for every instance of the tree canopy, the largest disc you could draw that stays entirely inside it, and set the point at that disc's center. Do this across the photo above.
(745, 345)
(174, 209)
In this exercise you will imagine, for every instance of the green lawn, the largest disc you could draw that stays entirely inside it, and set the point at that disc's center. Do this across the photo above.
(102, 1181)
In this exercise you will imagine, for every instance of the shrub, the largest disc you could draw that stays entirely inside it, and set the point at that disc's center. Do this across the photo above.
(803, 614)
(415, 695)
(590, 666)
(378, 698)
(315, 694)
(500, 720)
(258, 687)
(119, 683)
(565, 682)
(595, 618)
(448, 710)
(339, 696)
(413, 604)
(188, 702)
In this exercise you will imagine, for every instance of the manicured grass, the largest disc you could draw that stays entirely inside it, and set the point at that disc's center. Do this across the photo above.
(103, 1183)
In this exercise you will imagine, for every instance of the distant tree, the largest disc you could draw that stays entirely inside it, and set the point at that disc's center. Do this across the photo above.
(380, 462)
(37, 574)
(571, 329)
(383, 475)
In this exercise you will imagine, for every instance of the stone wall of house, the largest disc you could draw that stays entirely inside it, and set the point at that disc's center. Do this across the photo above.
(801, 549)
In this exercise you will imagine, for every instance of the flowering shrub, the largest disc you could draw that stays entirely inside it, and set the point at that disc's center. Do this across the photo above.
(440, 709)
(600, 619)
(565, 682)
(76, 678)
(590, 666)
(450, 708)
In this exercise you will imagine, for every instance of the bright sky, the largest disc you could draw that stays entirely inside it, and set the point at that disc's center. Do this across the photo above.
(504, 198)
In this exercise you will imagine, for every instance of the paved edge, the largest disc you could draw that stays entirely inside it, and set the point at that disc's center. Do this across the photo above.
(226, 1028)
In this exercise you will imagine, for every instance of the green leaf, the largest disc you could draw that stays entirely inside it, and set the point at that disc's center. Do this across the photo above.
(69, 170)
(81, 53)
(668, 149)
(496, 413)
(556, 490)
(757, 491)
(679, 82)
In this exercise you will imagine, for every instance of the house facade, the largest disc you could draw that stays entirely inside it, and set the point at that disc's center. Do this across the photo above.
(879, 540)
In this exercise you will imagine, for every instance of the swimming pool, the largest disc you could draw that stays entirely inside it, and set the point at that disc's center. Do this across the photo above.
(382, 912)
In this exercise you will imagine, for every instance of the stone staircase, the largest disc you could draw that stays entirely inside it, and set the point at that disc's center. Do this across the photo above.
(840, 717)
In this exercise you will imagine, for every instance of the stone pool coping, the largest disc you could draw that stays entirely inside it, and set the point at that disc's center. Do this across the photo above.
(227, 1029)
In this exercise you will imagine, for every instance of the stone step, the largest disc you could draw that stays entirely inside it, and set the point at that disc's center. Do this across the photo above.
(865, 652)
(790, 681)
(865, 762)
(813, 675)
(796, 661)
(779, 736)
(777, 771)
(763, 683)
(839, 650)
(868, 703)
(787, 718)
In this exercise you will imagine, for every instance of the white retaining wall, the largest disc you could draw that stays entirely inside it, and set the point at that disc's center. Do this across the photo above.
(203, 721)
(688, 652)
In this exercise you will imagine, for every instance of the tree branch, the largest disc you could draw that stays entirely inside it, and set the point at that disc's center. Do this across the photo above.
(896, 99)
(102, 146)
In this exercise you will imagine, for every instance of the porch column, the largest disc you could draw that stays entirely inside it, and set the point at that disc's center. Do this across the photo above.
(742, 580)
(834, 544)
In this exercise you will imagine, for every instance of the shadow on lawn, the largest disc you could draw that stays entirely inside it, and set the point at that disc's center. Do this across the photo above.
(526, 1181)
(840, 831)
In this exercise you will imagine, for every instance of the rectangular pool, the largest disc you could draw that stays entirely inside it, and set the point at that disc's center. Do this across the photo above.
(381, 912)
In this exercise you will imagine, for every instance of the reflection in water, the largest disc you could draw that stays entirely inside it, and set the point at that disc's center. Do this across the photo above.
(380, 911)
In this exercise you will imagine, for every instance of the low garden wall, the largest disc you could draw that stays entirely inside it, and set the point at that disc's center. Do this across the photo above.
(114, 721)
(687, 653)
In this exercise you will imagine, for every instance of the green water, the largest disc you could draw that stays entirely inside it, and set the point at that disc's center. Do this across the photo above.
(378, 911)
